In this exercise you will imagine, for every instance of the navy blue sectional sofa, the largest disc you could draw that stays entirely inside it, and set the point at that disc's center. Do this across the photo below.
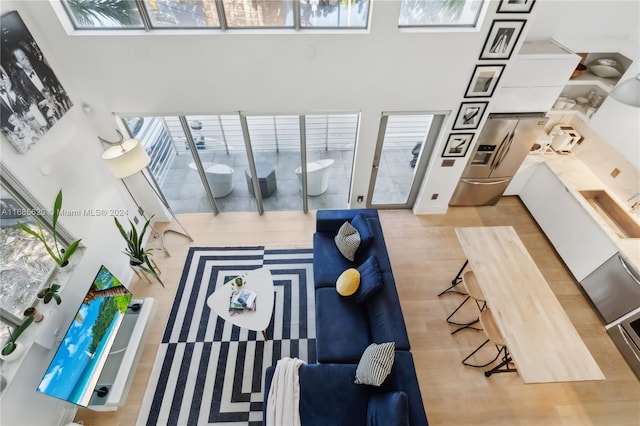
(344, 329)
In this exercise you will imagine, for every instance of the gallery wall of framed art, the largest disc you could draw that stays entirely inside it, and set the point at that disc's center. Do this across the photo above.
(500, 44)
(502, 39)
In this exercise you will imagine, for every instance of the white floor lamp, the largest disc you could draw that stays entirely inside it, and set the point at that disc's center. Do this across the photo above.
(127, 157)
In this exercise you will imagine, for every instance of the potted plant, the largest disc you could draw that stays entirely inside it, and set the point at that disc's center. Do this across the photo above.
(13, 350)
(138, 256)
(60, 255)
(48, 293)
(32, 312)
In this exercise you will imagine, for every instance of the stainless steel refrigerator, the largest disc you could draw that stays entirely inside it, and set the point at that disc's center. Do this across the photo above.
(504, 142)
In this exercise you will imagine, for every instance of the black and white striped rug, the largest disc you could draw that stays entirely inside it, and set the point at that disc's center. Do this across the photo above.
(210, 372)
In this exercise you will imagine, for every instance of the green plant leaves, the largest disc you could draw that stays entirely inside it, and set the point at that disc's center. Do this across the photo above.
(138, 256)
(59, 256)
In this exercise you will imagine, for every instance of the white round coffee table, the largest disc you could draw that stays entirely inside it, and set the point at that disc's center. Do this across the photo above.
(258, 281)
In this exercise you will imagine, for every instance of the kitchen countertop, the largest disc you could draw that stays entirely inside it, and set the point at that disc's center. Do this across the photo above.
(576, 176)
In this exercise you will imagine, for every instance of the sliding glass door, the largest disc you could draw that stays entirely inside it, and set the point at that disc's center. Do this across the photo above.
(405, 143)
(275, 144)
(236, 162)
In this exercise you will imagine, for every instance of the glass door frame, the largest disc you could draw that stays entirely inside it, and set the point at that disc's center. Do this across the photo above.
(193, 149)
(426, 152)
(252, 164)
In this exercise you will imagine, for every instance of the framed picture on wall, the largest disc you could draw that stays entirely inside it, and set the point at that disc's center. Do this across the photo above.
(484, 81)
(469, 115)
(502, 38)
(515, 6)
(31, 96)
(457, 144)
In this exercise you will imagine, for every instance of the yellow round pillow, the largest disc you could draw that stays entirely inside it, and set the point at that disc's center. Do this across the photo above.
(348, 282)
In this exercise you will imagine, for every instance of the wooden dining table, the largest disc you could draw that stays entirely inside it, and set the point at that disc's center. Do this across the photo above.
(542, 340)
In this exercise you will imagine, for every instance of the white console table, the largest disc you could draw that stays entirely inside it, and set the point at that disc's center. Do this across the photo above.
(117, 372)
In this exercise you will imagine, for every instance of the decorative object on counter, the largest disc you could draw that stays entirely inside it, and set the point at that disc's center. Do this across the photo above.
(628, 92)
(48, 293)
(457, 144)
(503, 37)
(484, 80)
(564, 137)
(605, 68)
(578, 71)
(510, 6)
(469, 115)
(12, 350)
(32, 312)
(138, 256)
(60, 255)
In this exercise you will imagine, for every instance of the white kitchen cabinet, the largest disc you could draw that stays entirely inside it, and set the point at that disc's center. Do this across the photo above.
(542, 194)
(576, 236)
(534, 79)
(523, 174)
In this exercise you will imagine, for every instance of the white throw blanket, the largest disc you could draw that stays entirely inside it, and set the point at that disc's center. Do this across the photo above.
(284, 394)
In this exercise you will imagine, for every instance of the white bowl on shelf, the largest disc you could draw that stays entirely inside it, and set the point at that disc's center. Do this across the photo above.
(606, 68)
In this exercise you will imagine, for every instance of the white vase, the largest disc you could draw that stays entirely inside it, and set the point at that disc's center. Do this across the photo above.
(17, 353)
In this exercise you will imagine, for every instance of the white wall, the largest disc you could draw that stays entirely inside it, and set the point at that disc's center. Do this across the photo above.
(148, 74)
(274, 73)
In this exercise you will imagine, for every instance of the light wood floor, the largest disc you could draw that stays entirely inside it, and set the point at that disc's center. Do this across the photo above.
(425, 255)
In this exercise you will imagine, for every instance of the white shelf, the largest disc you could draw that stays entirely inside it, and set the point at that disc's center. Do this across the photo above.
(577, 111)
(118, 370)
(589, 79)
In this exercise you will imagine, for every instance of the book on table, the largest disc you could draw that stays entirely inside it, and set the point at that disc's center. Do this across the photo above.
(242, 300)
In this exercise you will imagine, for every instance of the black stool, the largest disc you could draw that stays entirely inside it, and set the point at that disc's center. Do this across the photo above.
(493, 335)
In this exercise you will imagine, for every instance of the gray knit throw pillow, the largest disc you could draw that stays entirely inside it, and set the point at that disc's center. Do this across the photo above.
(348, 241)
(375, 364)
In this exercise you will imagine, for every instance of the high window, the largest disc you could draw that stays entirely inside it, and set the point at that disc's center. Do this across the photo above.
(212, 14)
(440, 13)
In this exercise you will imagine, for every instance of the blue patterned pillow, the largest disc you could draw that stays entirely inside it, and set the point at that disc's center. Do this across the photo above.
(370, 279)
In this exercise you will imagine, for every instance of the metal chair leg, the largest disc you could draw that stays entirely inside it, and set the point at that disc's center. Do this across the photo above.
(506, 360)
(464, 361)
(456, 310)
(457, 280)
(464, 325)
(468, 325)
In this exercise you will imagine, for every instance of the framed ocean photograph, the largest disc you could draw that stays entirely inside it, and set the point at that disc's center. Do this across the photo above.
(502, 38)
(457, 144)
(515, 6)
(31, 96)
(469, 115)
(484, 81)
